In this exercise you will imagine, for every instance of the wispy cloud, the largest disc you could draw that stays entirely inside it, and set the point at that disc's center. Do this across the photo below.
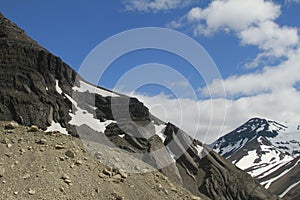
(155, 5)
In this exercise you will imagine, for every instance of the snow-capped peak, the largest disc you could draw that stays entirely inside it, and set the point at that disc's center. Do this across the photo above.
(266, 149)
(285, 137)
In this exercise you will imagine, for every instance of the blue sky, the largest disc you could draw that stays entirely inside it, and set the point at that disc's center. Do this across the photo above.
(254, 44)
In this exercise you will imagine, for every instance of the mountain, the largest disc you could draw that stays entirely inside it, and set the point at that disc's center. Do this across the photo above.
(37, 88)
(269, 151)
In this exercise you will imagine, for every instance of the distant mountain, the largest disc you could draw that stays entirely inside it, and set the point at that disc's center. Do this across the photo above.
(37, 88)
(269, 151)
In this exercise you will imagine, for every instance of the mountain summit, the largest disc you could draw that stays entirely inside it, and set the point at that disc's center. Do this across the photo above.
(268, 151)
(37, 88)
(10, 32)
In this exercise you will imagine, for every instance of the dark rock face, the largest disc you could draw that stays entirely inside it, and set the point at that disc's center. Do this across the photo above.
(24, 96)
(35, 90)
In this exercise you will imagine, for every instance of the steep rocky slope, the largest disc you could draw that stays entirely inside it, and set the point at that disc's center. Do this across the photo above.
(39, 165)
(37, 88)
(267, 150)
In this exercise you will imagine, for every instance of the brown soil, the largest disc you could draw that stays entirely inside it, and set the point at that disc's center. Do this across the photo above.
(39, 165)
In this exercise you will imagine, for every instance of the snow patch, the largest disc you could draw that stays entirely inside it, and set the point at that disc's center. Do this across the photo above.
(159, 130)
(85, 87)
(288, 138)
(199, 149)
(260, 129)
(248, 160)
(58, 89)
(56, 127)
(84, 117)
(268, 162)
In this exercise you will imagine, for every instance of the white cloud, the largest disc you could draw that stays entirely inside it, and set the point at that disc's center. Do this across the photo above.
(235, 15)
(280, 103)
(195, 14)
(155, 5)
(270, 79)
(200, 119)
(268, 92)
(252, 21)
(270, 37)
(281, 106)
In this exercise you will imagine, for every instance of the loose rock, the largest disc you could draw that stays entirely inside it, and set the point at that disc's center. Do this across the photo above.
(78, 162)
(42, 141)
(58, 146)
(62, 189)
(196, 198)
(123, 174)
(107, 171)
(11, 125)
(117, 178)
(26, 176)
(31, 191)
(70, 154)
(33, 128)
(2, 171)
(65, 176)
(68, 181)
(5, 141)
(101, 175)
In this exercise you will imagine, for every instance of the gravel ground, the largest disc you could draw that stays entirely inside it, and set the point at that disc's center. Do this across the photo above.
(39, 165)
